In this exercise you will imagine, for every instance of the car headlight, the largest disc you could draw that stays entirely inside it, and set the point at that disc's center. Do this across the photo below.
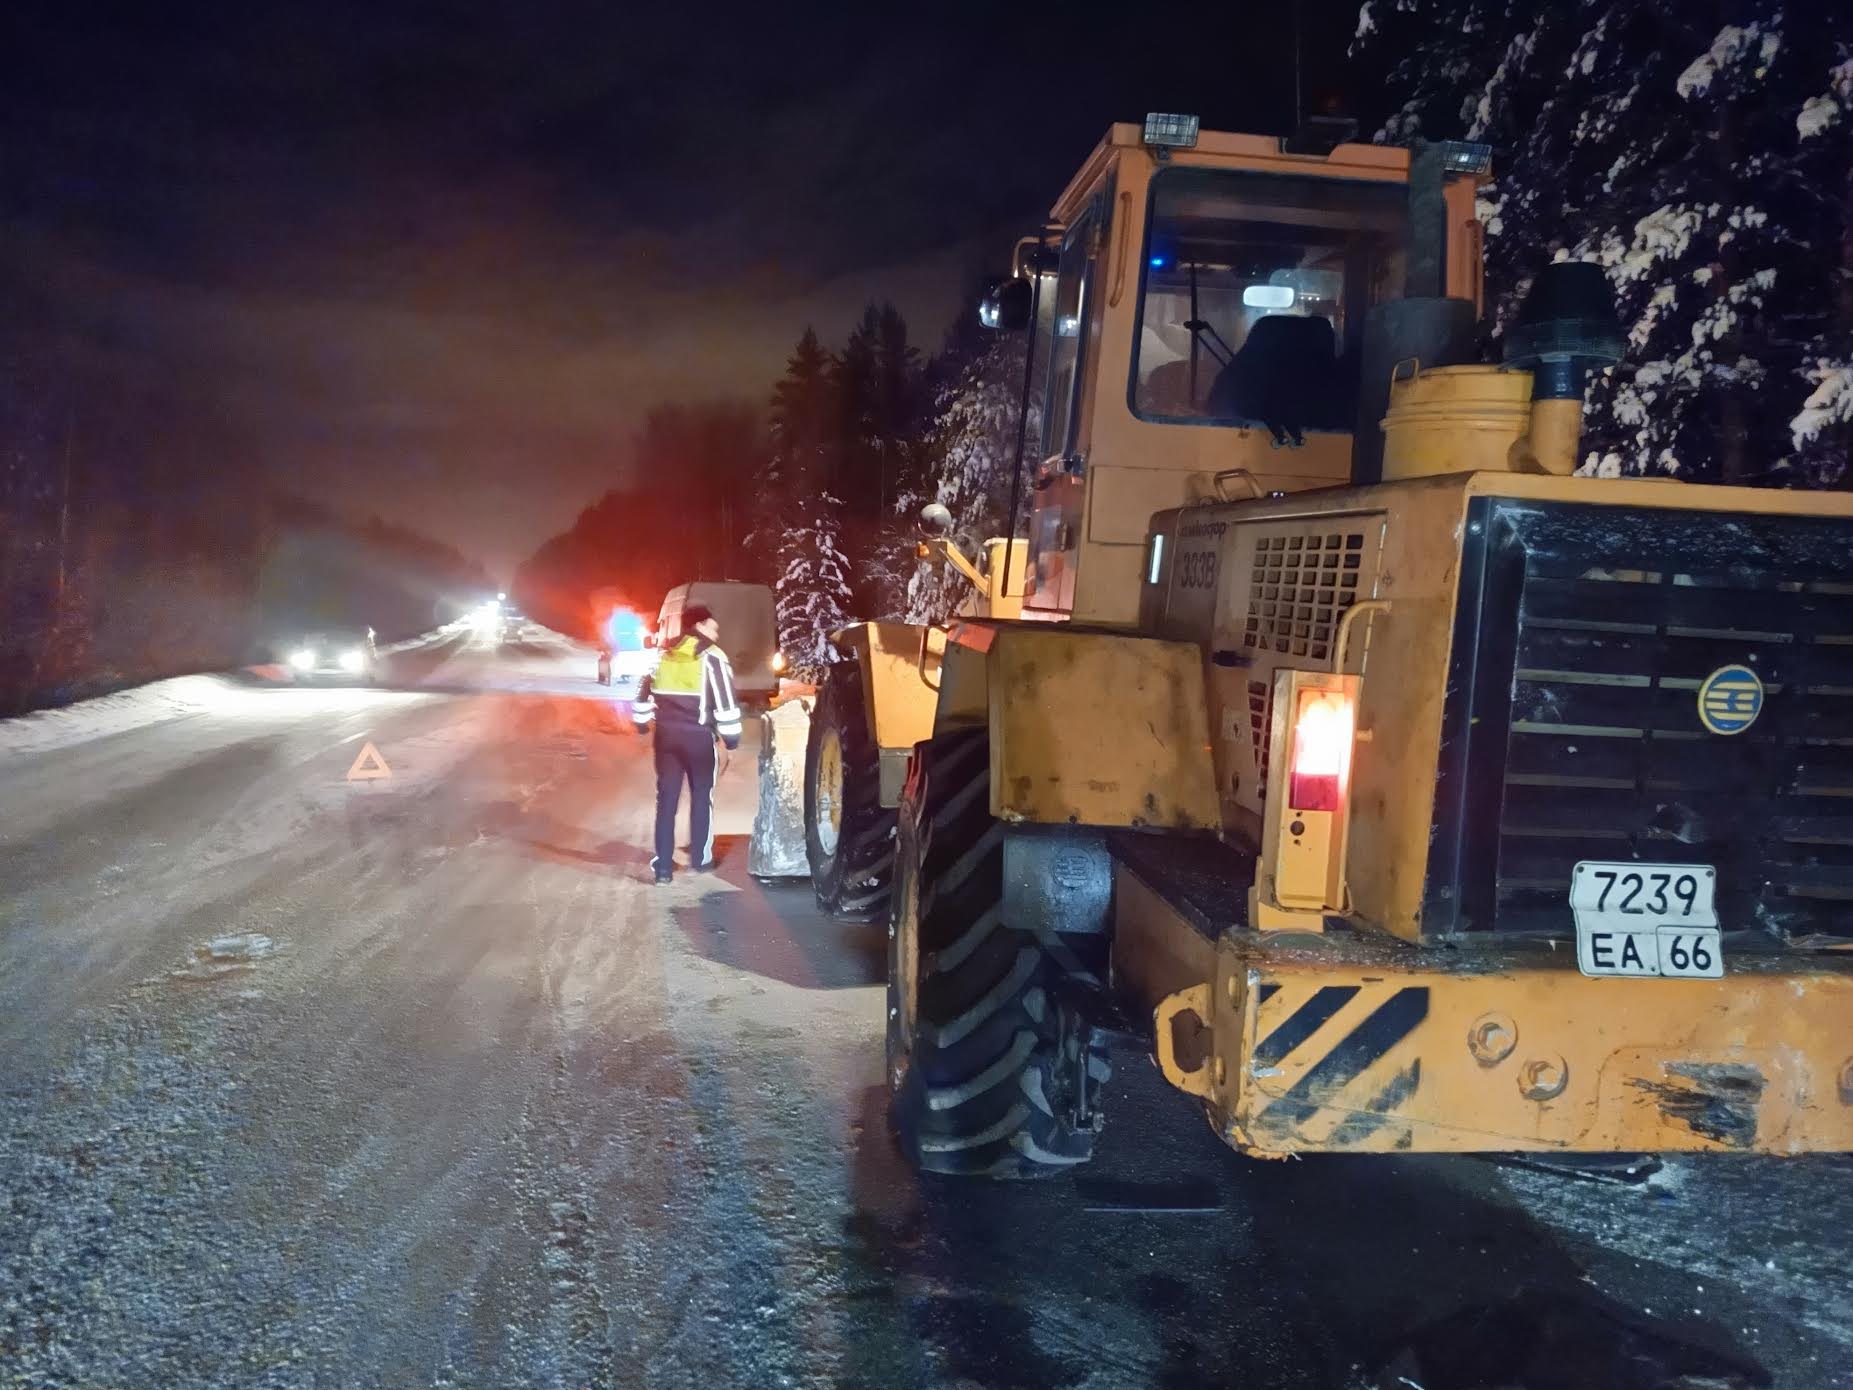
(354, 660)
(778, 663)
(303, 660)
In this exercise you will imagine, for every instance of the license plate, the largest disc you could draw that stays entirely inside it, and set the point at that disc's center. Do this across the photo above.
(1646, 919)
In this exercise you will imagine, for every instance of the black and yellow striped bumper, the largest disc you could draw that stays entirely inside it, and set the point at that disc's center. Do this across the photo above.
(1341, 1044)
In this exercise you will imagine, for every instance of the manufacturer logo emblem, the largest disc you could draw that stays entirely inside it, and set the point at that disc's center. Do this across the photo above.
(1730, 700)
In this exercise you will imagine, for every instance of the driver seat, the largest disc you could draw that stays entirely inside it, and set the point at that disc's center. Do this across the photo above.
(1285, 375)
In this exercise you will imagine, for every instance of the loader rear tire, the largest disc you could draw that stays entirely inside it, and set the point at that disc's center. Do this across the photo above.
(848, 833)
(993, 1071)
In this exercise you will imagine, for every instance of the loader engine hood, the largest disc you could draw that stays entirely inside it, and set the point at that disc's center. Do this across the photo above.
(1536, 692)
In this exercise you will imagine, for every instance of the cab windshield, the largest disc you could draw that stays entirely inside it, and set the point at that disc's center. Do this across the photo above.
(1255, 287)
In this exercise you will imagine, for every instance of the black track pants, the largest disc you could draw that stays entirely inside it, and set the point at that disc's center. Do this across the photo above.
(684, 751)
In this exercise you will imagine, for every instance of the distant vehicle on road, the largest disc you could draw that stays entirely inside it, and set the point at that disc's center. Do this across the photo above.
(625, 653)
(749, 634)
(333, 653)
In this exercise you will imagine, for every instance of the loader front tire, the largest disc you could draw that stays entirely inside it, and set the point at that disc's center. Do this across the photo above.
(993, 1071)
(848, 834)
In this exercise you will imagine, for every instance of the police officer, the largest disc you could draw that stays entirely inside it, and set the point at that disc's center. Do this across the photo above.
(690, 700)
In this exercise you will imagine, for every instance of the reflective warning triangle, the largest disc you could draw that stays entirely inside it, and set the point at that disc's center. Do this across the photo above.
(369, 766)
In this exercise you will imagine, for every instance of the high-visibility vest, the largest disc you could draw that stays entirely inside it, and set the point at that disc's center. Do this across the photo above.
(679, 672)
(698, 679)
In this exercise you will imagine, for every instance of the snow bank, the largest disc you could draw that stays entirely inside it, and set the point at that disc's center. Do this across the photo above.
(424, 639)
(177, 698)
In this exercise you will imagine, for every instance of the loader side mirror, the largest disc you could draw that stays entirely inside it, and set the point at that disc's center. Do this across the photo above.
(935, 519)
(1005, 306)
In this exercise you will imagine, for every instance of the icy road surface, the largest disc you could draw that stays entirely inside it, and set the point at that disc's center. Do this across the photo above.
(420, 1083)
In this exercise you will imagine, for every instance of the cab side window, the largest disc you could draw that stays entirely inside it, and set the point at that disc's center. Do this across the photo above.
(1072, 325)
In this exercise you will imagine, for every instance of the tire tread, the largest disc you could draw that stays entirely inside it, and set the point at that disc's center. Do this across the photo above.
(854, 883)
(973, 1097)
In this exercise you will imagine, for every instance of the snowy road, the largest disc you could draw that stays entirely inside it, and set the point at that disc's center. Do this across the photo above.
(419, 1082)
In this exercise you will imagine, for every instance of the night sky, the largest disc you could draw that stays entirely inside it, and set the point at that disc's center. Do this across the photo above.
(437, 261)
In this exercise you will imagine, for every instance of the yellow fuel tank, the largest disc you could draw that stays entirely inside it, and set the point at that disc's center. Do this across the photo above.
(1453, 420)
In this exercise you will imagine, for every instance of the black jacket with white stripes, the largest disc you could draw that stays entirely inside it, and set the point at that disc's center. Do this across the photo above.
(692, 685)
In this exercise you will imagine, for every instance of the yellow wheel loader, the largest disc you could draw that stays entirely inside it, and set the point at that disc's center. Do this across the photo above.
(1408, 791)
(872, 707)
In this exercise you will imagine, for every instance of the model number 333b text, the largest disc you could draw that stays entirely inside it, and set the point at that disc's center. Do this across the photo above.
(1196, 569)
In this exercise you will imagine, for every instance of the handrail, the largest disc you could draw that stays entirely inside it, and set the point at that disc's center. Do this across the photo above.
(1343, 635)
(926, 632)
(1242, 473)
(1122, 231)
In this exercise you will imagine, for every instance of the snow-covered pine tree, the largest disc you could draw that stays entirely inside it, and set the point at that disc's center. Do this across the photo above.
(812, 590)
(797, 435)
(1701, 155)
(971, 446)
(799, 526)
(880, 423)
(878, 377)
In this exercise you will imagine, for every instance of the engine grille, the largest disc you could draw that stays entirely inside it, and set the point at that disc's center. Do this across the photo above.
(1260, 721)
(1302, 582)
(1597, 751)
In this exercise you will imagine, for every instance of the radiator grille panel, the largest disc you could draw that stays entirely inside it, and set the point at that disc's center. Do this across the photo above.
(1604, 754)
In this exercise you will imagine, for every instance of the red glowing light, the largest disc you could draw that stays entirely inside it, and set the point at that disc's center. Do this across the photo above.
(1322, 735)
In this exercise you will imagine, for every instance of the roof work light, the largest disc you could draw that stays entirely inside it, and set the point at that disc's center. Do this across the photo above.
(1466, 157)
(1170, 131)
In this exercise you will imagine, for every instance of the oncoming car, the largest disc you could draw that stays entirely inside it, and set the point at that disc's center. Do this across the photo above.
(348, 654)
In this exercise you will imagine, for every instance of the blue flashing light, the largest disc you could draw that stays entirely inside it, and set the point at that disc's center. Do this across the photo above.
(624, 630)
(1158, 262)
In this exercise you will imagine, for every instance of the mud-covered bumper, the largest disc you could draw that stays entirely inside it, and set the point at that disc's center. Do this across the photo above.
(1347, 1044)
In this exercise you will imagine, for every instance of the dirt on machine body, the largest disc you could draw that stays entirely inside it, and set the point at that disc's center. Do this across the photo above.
(1405, 789)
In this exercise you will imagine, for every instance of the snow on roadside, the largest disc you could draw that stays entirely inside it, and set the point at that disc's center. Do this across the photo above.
(424, 639)
(177, 698)
(1747, 1221)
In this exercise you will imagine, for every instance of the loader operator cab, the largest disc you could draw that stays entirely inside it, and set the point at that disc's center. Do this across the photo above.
(1251, 306)
(1198, 310)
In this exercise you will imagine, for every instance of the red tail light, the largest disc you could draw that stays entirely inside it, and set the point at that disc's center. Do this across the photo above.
(1323, 728)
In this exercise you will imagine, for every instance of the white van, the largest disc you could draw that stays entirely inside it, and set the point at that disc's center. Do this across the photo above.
(749, 633)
